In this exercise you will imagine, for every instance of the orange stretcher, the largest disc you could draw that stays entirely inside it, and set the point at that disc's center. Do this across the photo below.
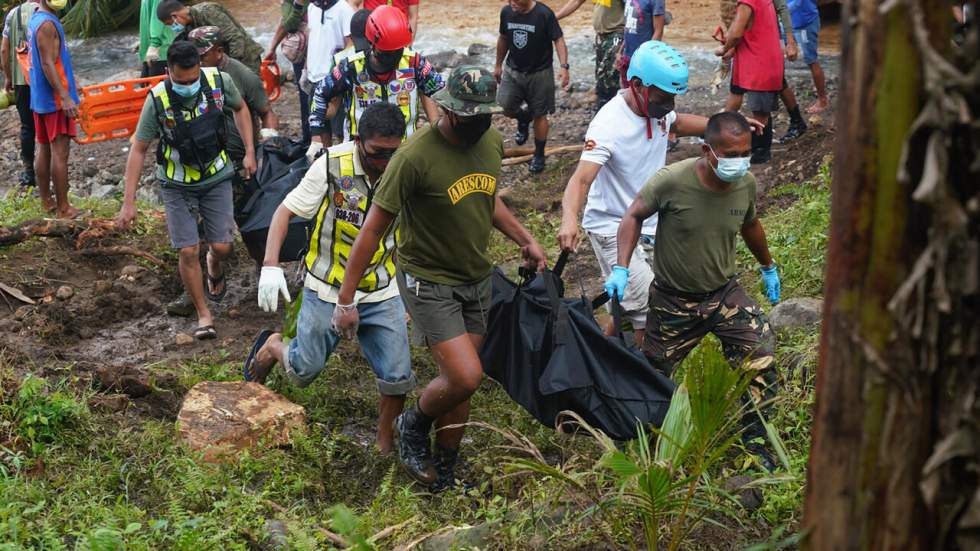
(111, 110)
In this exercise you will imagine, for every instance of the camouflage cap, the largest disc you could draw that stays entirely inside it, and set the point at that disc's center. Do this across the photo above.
(470, 90)
(205, 38)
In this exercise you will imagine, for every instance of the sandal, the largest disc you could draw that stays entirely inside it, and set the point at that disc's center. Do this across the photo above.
(215, 281)
(205, 333)
(250, 369)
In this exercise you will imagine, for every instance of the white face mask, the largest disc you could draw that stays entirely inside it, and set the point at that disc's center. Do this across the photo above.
(730, 169)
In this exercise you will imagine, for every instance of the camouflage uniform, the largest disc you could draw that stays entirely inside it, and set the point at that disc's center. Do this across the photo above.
(238, 43)
(606, 72)
(677, 322)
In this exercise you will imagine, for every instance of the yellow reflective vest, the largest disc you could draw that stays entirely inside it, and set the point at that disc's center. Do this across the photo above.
(339, 220)
(401, 91)
(176, 168)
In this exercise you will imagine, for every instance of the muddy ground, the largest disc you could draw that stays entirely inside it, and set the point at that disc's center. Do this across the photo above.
(113, 330)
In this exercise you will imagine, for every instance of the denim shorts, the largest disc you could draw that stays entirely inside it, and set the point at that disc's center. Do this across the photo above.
(382, 335)
(806, 38)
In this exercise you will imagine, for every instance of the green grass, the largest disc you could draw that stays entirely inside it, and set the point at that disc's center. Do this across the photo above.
(101, 480)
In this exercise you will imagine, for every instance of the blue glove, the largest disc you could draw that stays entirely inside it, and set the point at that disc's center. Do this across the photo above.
(616, 282)
(770, 278)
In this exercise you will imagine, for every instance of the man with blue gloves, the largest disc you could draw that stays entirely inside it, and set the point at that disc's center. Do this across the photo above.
(626, 144)
(703, 204)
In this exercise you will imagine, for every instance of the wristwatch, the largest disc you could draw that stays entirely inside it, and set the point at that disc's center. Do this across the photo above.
(565, 66)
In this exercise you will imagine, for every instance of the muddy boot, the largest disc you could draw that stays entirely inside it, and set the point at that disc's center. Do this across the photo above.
(27, 178)
(181, 307)
(414, 449)
(797, 126)
(445, 460)
(761, 453)
(523, 127)
(762, 145)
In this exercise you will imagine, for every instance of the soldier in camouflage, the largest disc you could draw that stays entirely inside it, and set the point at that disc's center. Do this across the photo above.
(607, 21)
(703, 203)
(238, 43)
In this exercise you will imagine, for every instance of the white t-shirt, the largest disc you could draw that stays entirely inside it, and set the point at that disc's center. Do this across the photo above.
(617, 140)
(327, 32)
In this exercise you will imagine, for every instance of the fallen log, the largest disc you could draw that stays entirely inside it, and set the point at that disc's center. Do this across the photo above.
(117, 250)
(45, 227)
(547, 151)
(524, 150)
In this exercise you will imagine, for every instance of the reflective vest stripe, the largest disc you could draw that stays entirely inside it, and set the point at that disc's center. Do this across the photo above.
(174, 169)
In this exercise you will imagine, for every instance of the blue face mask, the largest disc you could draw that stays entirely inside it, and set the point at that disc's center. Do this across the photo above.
(730, 169)
(186, 90)
(176, 27)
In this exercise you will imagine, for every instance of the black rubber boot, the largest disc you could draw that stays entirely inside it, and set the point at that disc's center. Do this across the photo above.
(444, 460)
(797, 126)
(414, 448)
(762, 145)
(523, 127)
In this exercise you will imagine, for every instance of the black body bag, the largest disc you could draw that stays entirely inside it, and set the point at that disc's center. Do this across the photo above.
(550, 355)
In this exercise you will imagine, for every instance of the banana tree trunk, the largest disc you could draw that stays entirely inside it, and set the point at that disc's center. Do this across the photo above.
(895, 454)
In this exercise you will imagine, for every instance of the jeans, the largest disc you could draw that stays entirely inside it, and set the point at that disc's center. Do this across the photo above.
(382, 335)
(304, 102)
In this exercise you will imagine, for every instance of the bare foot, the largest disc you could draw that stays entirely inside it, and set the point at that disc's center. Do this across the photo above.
(68, 212)
(49, 205)
(818, 106)
(385, 445)
(216, 283)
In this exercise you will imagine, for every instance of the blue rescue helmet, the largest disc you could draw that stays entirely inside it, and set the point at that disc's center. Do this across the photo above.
(657, 64)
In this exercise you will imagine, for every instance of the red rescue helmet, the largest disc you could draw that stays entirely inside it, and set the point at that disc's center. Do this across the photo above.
(387, 29)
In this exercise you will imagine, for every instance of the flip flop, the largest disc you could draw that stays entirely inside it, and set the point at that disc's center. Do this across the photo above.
(205, 333)
(214, 282)
(247, 371)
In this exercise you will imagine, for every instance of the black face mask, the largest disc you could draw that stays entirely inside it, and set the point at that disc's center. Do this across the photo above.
(469, 130)
(386, 62)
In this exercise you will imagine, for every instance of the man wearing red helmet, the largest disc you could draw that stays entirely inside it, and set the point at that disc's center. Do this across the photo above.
(387, 72)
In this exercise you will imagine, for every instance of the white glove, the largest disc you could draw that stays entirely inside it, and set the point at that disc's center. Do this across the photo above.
(266, 133)
(272, 282)
(314, 150)
(152, 54)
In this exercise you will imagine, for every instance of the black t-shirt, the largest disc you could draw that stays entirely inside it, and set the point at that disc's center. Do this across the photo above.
(529, 37)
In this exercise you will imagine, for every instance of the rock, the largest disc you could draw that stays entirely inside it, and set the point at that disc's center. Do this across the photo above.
(149, 195)
(103, 191)
(750, 498)
(478, 49)
(102, 287)
(223, 418)
(130, 381)
(130, 270)
(22, 313)
(64, 292)
(109, 402)
(128, 74)
(277, 534)
(183, 339)
(463, 537)
(89, 169)
(445, 59)
(796, 313)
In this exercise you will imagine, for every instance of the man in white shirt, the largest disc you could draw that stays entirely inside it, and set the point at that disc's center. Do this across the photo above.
(329, 24)
(626, 144)
(336, 193)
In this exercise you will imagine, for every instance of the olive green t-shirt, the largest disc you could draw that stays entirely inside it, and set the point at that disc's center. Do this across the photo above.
(444, 196)
(607, 16)
(695, 246)
(253, 93)
(148, 129)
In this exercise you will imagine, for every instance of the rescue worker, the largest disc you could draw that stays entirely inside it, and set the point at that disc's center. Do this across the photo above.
(608, 20)
(626, 143)
(704, 203)
(442, 186)
(388, 72)
(211, 48)
(337, 192)
(15, 40)
(183, 19)
(194, 170)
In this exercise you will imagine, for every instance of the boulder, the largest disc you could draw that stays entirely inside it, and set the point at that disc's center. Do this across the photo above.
(444, 60)
(64, 292)
(223, 418)
(476, 49)
(103, 191)
(796, 313)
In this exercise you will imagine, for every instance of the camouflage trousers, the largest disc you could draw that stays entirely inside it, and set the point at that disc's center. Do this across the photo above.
(606, 73)
(678, 321)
